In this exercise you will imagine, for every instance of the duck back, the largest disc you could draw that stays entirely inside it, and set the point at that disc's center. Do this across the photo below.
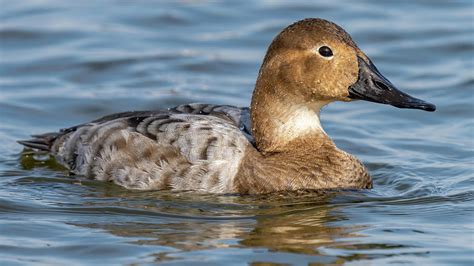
(189, 147)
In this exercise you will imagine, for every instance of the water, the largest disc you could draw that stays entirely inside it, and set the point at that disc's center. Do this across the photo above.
(65, 62)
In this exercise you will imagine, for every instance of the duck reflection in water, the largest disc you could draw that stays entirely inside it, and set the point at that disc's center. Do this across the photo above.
(273, 222)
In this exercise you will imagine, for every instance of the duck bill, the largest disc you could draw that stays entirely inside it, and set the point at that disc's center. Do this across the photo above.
(374, 87)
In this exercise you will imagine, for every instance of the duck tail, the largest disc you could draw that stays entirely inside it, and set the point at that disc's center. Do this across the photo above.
(42, 142)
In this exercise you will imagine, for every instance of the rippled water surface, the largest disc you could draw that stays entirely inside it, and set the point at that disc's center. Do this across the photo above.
(67, 62)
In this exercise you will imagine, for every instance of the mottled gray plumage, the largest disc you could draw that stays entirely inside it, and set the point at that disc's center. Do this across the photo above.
(189, 147)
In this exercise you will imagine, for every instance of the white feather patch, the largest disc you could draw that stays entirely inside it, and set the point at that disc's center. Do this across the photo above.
(302, 120)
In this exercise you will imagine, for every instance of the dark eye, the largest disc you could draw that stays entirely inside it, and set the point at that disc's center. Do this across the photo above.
(325, 51)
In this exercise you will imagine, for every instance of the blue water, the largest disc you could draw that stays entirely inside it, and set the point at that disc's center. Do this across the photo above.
(68, 62)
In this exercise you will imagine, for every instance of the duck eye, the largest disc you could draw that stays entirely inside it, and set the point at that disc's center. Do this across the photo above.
(325, 51)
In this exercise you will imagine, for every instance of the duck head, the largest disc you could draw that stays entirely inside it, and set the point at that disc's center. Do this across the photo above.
(309, 64)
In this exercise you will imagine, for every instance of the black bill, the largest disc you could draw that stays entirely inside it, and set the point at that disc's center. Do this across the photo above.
(374, 87)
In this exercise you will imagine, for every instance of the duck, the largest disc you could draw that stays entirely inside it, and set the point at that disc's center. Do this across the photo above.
(276, 145)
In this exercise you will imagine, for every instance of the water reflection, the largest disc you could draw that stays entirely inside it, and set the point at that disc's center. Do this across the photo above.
(302, 232)
(276, 223)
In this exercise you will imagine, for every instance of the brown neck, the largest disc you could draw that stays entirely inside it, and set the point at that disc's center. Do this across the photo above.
(279, 120)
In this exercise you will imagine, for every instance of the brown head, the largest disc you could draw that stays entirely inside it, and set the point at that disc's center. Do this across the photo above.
(309, 64)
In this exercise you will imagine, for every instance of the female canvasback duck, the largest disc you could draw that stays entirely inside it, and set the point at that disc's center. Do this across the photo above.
(276, 145)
